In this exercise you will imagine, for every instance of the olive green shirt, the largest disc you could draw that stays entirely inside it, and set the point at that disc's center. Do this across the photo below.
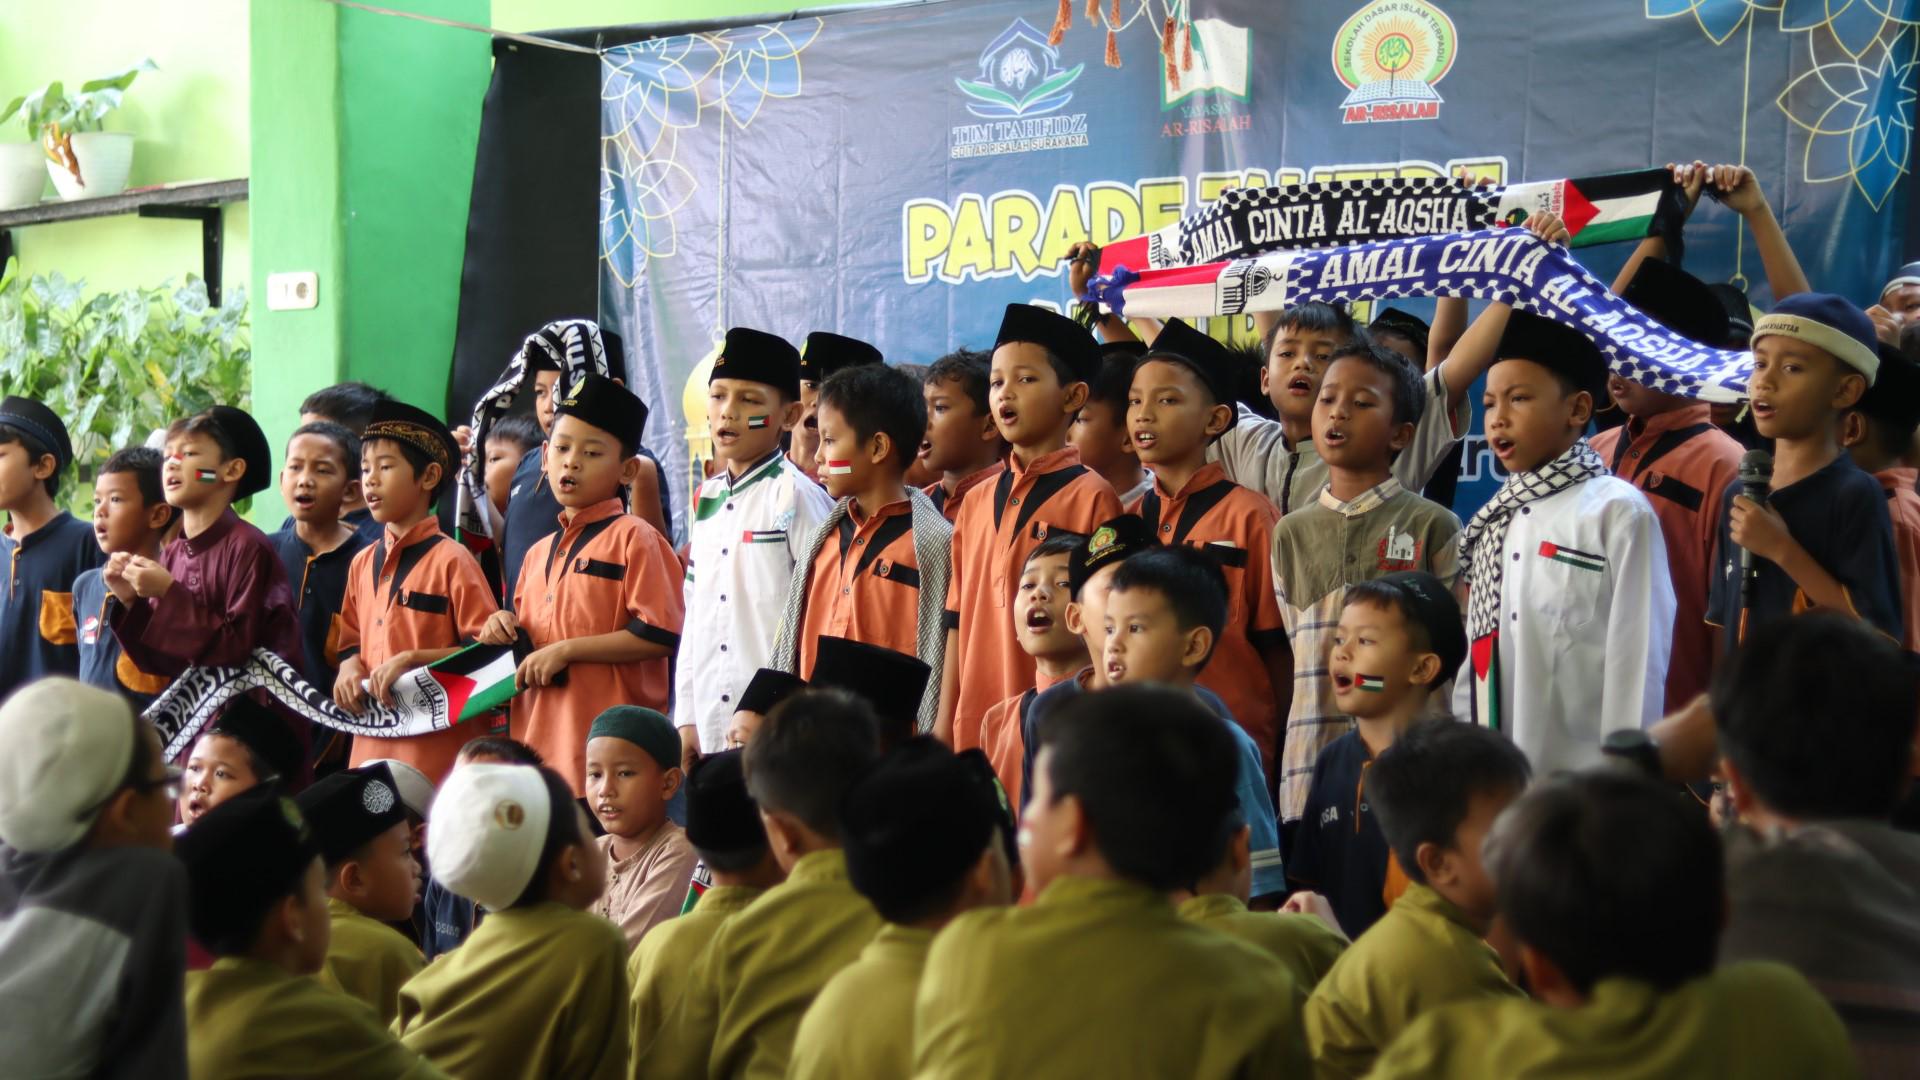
(1421, 955)
(1101, 978)
(744, 999)
(248, 1019)
(1744, 1022)
(663, 962)
(1304, 945)
(861, 1025)
(534, 991)
(368, 960)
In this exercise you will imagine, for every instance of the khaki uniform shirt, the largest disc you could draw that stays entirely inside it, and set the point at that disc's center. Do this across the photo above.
(1304, 945)
(539, 990)
(744, 1001)
(664, 961)
(861, 1025)
(368, 960)
(1744, 1022)
(248, 1019)
(1419, 956)
(1101, 978)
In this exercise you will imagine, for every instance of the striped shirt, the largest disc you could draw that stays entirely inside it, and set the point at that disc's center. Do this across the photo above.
(1319, 550)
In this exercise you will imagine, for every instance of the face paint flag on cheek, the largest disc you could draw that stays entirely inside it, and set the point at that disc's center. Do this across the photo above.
(839, 468)
(206, 476)
(1372, 684)
(755, 423)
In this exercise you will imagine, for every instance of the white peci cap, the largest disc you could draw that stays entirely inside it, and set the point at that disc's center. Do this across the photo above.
(489, 826)
(65, 748)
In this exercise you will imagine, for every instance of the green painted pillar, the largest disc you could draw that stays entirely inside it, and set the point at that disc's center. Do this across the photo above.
(363, 134)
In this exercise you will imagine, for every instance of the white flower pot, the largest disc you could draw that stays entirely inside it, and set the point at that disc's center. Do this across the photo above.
(23, 174)
(105, 159)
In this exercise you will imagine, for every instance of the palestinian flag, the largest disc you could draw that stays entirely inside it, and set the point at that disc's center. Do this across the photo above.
(1581, 559)
(1597, 209)
(471, 683)
(1373, 684)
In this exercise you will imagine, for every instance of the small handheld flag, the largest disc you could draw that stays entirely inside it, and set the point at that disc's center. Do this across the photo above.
(1372, 684)
(838, 468)
(755, 423)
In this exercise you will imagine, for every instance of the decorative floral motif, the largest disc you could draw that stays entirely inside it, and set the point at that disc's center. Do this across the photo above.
(1855, 100)
(653, 90)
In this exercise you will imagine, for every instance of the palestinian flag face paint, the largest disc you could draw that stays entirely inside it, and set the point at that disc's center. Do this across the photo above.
(755, 423)
(838, 468)
(1372, 684)
(206, 476)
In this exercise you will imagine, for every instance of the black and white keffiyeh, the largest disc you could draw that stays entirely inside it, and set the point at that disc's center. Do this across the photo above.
(1484, 541)
(576, 347)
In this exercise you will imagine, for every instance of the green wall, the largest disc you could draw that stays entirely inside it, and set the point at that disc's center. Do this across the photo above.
(189, 119)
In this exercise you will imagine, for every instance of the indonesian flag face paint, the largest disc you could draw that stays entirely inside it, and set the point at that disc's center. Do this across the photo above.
(838, 468)
(1372, 684)
(755, 423)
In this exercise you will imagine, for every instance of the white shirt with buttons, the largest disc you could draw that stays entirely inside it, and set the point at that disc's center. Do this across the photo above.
(745, 536)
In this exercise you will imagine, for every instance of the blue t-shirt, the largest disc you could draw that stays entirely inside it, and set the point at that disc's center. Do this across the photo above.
(319, 584)
(1338, 848)
(36, 607)
(360, 521)
(1256, 806)
(1839, 515)
(102, 662)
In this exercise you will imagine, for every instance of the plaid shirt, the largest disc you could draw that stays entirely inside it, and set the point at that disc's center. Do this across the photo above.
(1318, 550)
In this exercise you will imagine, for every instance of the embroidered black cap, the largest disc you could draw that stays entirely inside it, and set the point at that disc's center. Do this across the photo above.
(1055, 333)
(826, 353)
(757, 356)
(602, 403)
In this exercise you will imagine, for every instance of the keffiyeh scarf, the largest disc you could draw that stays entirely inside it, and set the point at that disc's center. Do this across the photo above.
(1483, 543)
(576, 348)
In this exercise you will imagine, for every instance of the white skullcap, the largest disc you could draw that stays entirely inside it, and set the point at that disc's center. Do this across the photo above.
(489, 825)
(416, 791)
(65, 747)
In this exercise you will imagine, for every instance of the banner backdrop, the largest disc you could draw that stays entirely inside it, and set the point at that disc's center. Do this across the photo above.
(901, 174)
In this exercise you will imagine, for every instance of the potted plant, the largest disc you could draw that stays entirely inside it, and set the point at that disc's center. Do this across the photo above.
(84, 161)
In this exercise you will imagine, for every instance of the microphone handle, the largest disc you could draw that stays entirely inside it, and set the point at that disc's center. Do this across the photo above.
(1758, 493)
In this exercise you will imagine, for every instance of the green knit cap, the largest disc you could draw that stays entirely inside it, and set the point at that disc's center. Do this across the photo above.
(644, 728)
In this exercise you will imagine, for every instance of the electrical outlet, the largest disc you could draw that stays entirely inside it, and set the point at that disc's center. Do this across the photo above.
(294, 291)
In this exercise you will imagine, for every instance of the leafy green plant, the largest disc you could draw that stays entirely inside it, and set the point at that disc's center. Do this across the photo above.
(117, 366)
(51, 107)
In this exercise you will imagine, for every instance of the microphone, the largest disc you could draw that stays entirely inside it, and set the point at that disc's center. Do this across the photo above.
(1756, 479)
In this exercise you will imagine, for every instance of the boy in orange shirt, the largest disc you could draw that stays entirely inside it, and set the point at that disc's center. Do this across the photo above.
(600, 597)
(413, 598)
(1100, 431)
(875, 570)
(1180, 404)
(1042, 362)
(962, 443)
(1040, 623)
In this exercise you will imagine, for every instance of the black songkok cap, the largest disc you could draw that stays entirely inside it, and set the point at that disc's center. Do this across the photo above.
(768, 688)
(1112, 541)
(759, 357)
(1405, 323)
(912, 827)
(892, 682)
(721, 816)
(249, 444)
(1678, 301)
(602, 403)
(35, 419)
(242, 857)
(418, 428)
(1561, 349)
(827, 353)
(1209, 359)
(265, 733)
(347, 809)
(1055, 333)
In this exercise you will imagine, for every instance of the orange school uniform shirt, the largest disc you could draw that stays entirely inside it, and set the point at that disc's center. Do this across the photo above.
(999, 526)
(422, 592)
(605, 570)
(864, 585)
(949, 505)
(1683, 464)
(1903, 506)
(1234, 525)
(1002, 738)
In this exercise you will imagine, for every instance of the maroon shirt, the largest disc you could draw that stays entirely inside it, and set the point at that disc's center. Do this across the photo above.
(229, 596)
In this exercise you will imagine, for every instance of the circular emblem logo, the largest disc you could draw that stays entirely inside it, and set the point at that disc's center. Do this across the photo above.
(509, 815)
(1101, 541)
(292, 813)
(1394, 41)
(376, 797)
